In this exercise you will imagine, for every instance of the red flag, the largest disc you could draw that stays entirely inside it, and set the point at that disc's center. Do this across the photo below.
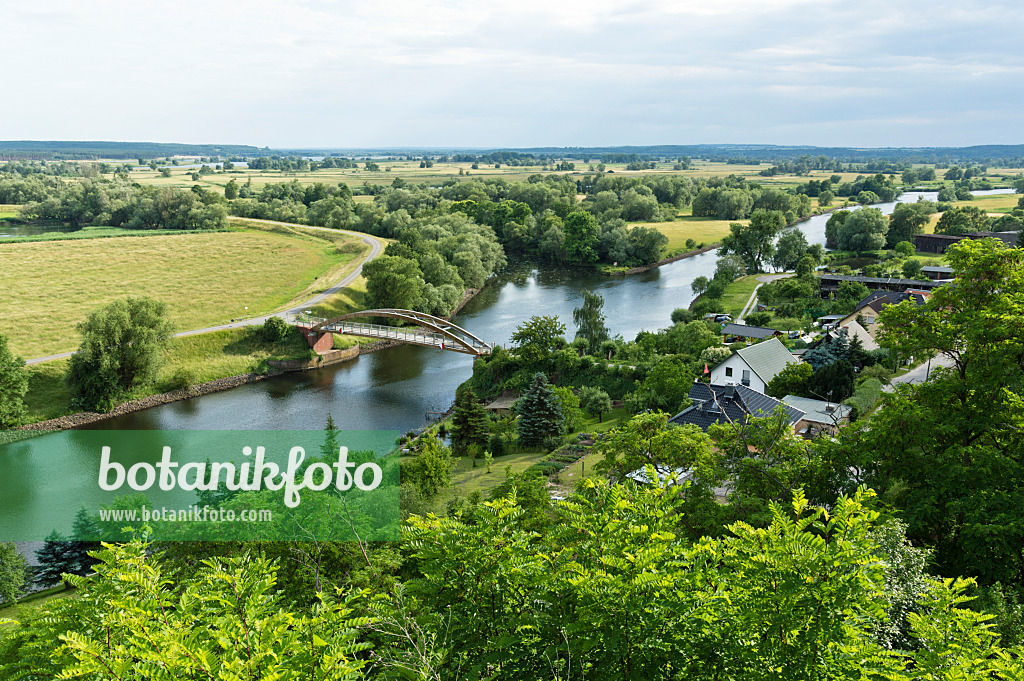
(706, 369)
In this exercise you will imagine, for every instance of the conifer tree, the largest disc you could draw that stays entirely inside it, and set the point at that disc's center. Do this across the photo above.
(470, 424)
(539, 412)
(57, 556)
(85, 537)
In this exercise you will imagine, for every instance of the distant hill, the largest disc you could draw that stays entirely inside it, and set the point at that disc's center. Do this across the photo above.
(77, 150)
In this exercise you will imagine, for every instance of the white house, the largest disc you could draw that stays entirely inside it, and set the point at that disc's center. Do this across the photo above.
(754, 366)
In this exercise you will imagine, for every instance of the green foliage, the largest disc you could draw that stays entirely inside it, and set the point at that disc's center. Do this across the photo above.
(863, 230)
(755, 243)
(907, 221)
(120, 350)
(864, 397)
(431, 469)
(595, 401)
(571, 409)
(904, 249)
(274, 330)
(581, 237)
(912, 269)
(13, 386)
(589, 319)
(833, 381)
(13, 572)
(227, 621)
(666, 386)
(539, 413)
(536, 339)
(935, 445)
(758, 318)
(792, 380)
(56, 556)
(393, 282)
(470, 423)
(682, 315)
(962, 219)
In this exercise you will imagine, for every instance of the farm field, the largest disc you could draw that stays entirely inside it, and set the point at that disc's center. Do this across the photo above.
(205, 279)
(702, 230)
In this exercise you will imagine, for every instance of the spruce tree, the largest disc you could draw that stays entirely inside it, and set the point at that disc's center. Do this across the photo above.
(85, 537)
(55, 557)
(470, 423)
(539, 412)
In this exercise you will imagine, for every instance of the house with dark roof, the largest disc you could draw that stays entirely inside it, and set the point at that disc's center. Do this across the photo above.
(730, 404)
(868, 309)
(940, 243)
(829, 283)
(754, 366)
(820, 418)
(742, 331)
(937, 273)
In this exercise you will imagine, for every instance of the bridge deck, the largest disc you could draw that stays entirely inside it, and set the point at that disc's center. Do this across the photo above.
(413, 336)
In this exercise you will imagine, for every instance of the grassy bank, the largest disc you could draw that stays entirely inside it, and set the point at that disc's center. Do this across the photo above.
(193, 359)
(205, 279)
(738, 293)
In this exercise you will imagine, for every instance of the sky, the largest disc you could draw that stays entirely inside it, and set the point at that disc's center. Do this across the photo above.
(514, 73)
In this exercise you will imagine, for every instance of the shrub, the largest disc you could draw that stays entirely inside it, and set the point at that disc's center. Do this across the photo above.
(274, 330)
(864, 397)
(497, 446)
(182, 378)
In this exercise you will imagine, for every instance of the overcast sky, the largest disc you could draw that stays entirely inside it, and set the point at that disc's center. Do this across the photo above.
(488, 73)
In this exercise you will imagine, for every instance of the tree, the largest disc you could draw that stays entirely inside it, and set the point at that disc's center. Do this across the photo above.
(755, 243)
(666, 386)
(589, 320)
(231, 189)
(835, 221)
(832, 382)
(431, 470)
(700, 285)
(13, 572)
(904, 249)
(121, 349)
(792, 380)
(961, 220)
(393, 282)
(536, 339)
(581, 237)
(758, 318)
(907, 221)
(57, 556)
(825, 199)
(539, 413)
(912, 269)
(682, 315)
(85, 537)
(954, 441)
(572, 412)
(863, 230)
(595, 401)
(13, 386)
(805, 267)
(792, 246)
(470, 423)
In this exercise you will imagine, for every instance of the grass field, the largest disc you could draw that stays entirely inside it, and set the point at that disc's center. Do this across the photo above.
(205, 279)
(204, 357)
(702, 230)
(8, 210)
(102, 232)
(738, 293)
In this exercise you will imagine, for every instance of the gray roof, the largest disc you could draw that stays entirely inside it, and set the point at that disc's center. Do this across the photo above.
(817, 411)
(767, 359)
(758, 332)
(937, 268)
(729, 404)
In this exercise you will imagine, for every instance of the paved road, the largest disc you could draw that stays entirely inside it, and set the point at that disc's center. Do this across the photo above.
(918, 374)
(764, 279)
(288, 315)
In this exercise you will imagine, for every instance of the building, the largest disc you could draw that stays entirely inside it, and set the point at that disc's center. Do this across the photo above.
(748, 332)
(730, 404)
(754, 366)
(936, 273)
(818, 417)
(867, 310)
(829, 283)
(939, 243)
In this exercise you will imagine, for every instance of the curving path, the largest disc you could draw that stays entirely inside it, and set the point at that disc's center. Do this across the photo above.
(289, 314)
(764, 279)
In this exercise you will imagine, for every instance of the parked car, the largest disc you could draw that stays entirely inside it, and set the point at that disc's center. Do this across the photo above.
(796, 334)
(723, 318)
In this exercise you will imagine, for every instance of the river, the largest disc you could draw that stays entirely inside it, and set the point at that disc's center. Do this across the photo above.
(396, 387)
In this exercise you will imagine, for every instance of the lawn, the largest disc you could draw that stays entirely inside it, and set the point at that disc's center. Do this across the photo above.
(738, 293)
(204, 278)
(9, 210)
(200, 358)
(33, 604)
(704, 231)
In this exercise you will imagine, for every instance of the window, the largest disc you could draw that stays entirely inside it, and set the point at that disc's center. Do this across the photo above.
(728, 371)
(746, 377)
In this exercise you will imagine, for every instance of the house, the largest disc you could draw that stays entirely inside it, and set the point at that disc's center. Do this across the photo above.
(754, 366)
(748, 332)
(503, 405)
(730, 404)
(867, 310)
(818, 417)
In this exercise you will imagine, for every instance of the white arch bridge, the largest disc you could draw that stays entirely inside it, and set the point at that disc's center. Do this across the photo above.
(428, 330)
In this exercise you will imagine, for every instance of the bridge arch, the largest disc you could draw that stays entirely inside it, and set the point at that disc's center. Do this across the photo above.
(431, 331)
